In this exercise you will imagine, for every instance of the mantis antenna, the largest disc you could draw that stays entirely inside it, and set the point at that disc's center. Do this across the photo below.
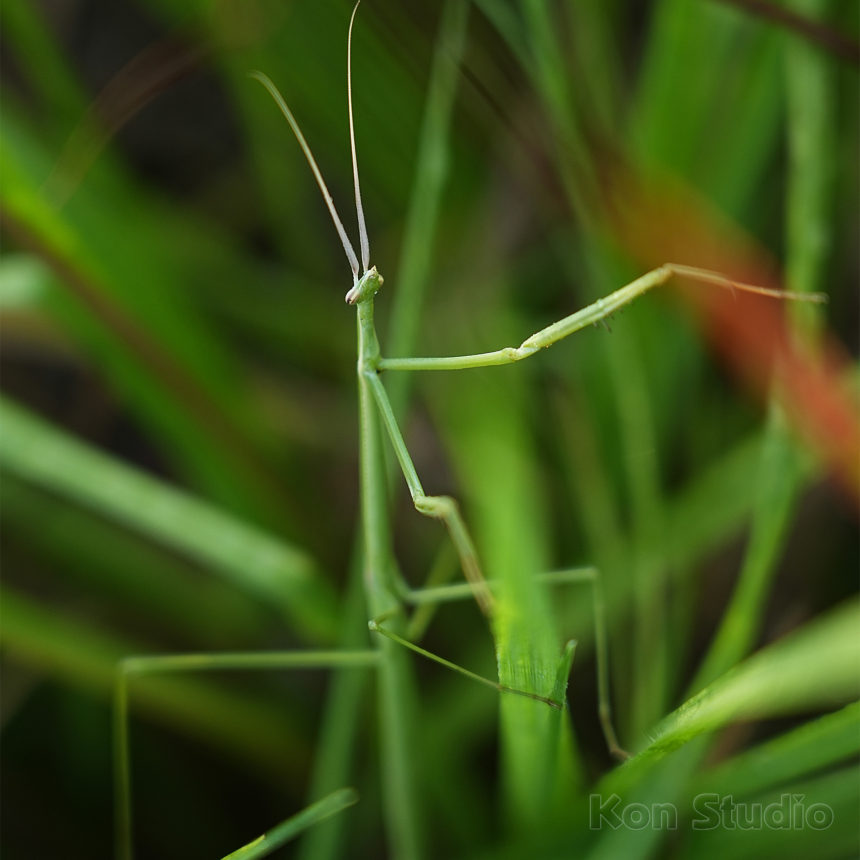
(359, 211)
(266, 81)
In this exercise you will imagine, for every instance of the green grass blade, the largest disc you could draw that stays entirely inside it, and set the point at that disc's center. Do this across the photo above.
(116, 292)
(811, 137)
(648, 564)
(776, 489)
(419, 246)
(817, 666)
(47, 72)
(88, 552)
(552, 81)
(506, 20)
(335, 753)
(244, 554)
(293, 826)
(814, 746)
(816, 817)
(503, 508)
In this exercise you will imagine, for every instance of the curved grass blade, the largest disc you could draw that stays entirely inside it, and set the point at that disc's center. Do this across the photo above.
(776, 491)
(817, 666)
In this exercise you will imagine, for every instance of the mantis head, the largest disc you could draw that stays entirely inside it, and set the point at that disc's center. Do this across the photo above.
(366, 287)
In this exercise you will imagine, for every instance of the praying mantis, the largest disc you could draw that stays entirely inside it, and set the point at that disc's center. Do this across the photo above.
(387, 596)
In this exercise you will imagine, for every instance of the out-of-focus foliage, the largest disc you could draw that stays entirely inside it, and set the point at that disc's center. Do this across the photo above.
(178, 426)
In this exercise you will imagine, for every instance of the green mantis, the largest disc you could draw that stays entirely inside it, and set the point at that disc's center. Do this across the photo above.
(387, 597)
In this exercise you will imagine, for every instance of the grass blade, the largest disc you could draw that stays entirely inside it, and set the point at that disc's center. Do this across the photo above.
(311, 815)
(419, 246)
(814, 746)
(817, 666)
(242, 553)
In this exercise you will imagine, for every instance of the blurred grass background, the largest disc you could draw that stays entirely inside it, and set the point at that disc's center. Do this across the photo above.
(179, 430)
